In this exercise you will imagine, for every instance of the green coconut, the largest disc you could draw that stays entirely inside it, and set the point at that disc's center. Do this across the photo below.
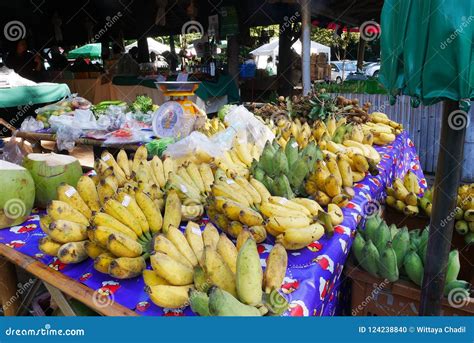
(17, 194)
(50, 170)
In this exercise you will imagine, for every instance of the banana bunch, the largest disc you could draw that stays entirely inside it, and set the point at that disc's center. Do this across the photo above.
(464, 215)
(389, 252)
(235, 203)
(192, 182)
(295, 222)
(332, 179)
(284, 170)
(212, 126)
(238, 160)
(229, 280)
(284, 129)
(65, 225)
(383, 130)
(403, 195)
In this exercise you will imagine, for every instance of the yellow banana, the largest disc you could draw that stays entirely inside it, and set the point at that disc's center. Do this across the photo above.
(247, 186)
(140, 155)
(333, 169)
(235, 188)
(72, 252)
(172, 217)
(165, 246)
(102, 169)
(93, 249)
(150, 211)
(259, 233)
(104, 219)
(332, 186)
(260, 188)
(289, 204)
(158, 171)
(64, 231)
(109, 159)
(346, 171)
(106, 189)
(210, 236)
(169, 296)
(48, 246)
(195, 175)
(194, 237)
(120, 212)
(152, 279)
(122, 161)
(242, 238)
(191, 212)
(275, 270)
(127, 267)
(228, 252)
(218, 272)
(207, 177)
(269, 210)
(178, 239)
(312, 206)
(131, 205)
(243, 152)
(175, 272)
(222, 189)
(336, 214)
(168, 167)
(103, 261)
(88, 192)
(60, 210)
(45, 221)
(123, 246)
(281, 223)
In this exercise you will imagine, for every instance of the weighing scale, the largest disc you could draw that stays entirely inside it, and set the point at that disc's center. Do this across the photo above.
(176, 117)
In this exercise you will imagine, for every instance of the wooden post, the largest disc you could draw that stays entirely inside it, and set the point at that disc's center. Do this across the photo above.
(448, 176)
(361, 52)
(233, 57)
(143, 54)
(8, 288)
(306, 45)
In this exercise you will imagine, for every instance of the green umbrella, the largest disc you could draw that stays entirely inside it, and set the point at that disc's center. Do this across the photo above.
(93, 50)
(427, 53)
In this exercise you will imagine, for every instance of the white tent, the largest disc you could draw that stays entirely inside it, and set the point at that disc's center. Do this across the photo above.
(271, 49)
(153, 45)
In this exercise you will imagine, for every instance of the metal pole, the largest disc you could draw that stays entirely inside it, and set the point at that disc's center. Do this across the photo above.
(361, 52)
(448, 176)
(306, 45)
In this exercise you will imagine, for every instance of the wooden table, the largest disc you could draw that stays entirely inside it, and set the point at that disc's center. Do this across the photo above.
(55, 282)
(35, 138)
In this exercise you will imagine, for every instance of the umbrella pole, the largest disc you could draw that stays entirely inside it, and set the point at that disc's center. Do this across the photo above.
(448, 175)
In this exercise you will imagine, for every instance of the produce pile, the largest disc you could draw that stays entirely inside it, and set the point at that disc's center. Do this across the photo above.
(392, 253)
(465, 213)
(65, 106)
(403, 195)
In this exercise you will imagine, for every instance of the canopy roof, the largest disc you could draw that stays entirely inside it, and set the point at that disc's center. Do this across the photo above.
(93, 50)
(271, 49)
(153, 46)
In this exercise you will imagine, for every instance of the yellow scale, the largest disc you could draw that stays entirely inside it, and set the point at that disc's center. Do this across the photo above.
(178, 106)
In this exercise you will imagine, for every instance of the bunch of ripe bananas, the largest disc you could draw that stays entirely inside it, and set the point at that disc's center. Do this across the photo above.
(216, 277)
(403, 195)
(235, 203)
(238, 159)
(212, 126)
(465, 212)
(383, 129)
(298, 222)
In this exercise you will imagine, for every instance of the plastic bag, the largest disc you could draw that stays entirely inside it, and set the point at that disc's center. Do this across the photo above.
(196, 147)
(66, 137)
(124, 136)
(15, 150)
(30, 124)
(241, 119)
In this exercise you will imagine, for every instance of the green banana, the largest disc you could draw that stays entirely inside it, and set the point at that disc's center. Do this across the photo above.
(222, 303)
(269, 184)
(400, 244)
(249, 274)
(469, 238)
(413, 267)
(266, 159)
(423, 245)
(454, 266)
(258, 174)
(313, 152)
(291, 151)
(371, 226)
(299, 171)
(382, 236)
(393, 230)
(280, 163)
(199, 302)
(338, 135)
(370, 257)
(358, 247)
(461, 227)
(388, 263)
(282, 187)
(200, 279)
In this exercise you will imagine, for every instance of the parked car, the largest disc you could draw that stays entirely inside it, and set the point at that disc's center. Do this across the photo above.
(372, 69)
(341, 69)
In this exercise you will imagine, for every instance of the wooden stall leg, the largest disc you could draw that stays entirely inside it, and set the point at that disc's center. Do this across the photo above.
(8, 288)
(60, 300)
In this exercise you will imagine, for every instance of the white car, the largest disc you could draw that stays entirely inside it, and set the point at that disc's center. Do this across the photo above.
(341, 69)
(372, 69)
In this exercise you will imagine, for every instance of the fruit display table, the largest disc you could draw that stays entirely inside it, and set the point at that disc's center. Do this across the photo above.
(312, 282)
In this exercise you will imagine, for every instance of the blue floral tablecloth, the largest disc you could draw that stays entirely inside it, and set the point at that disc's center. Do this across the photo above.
(312, 282)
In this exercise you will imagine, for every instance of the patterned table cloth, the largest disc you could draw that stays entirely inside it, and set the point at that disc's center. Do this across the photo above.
(312, 282)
